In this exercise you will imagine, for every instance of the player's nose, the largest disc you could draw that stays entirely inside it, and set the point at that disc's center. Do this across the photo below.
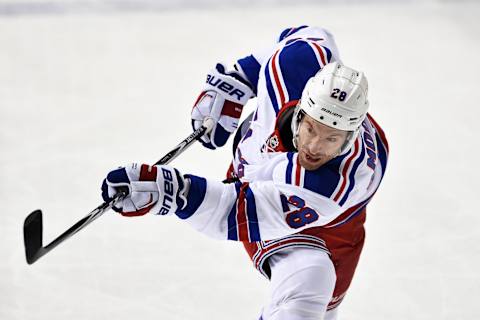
(314, 148)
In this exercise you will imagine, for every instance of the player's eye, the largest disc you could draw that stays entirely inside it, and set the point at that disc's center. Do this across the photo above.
(331, 139)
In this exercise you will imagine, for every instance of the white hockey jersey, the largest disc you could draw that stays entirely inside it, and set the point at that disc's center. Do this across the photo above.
(276, 196)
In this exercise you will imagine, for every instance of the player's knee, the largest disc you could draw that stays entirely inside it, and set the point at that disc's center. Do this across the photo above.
(305, 308)
(305, 290)
(309, 294)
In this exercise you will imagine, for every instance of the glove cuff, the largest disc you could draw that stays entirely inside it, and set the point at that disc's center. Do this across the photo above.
(172, 188)
(195, 196)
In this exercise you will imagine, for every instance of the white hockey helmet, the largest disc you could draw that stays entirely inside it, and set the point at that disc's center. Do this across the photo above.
(337, 97)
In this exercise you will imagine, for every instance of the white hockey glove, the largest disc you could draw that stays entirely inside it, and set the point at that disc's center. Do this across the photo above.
(222, 100)
(156, 189)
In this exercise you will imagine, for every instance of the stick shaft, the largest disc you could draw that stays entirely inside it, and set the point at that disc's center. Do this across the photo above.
(33, 223)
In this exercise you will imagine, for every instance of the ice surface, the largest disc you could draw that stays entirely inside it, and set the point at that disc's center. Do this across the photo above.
(81, 94)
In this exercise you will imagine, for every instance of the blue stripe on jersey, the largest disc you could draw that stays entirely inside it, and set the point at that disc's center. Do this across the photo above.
(351, 176)
(289, 31)
(232, 217)
(251, 67)
(323, 181)
(196, 195)
(284, 201)
(382, 153)
(271, 91)
(298, 63)
(253, 228)
(288, 173)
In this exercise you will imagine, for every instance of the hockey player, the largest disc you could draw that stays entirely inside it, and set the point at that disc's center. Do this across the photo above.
(306, 164)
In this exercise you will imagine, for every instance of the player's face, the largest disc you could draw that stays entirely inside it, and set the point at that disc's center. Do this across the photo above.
(318, 143)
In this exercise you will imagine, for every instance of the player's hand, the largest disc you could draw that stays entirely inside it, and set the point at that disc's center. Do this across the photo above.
(156, 189)
(222, 100)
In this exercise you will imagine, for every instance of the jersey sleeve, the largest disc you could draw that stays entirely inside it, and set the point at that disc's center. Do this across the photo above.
(289, 63)
(250, 67)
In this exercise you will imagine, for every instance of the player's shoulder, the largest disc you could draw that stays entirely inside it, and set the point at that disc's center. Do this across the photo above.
(287, 32)
(305, 32)
(300, 45)
(297, 57)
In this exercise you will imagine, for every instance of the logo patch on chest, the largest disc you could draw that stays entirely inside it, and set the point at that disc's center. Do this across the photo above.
(273, 142)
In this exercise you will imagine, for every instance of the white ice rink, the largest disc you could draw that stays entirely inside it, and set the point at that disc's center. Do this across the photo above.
(81, 93)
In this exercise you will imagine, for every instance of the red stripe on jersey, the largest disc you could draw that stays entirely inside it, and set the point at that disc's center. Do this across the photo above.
(242, 224)
(297, 173)
(277, 78)
(345, 170)
(148, 173)
(320, 52)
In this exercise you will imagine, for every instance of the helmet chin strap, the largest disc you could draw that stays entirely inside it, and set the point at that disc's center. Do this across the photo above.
(336, 154)
(294, 140)
(296, 119)
(351, 137)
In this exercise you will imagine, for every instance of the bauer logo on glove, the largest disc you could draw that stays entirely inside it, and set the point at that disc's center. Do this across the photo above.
(148, 191)
(225, 87)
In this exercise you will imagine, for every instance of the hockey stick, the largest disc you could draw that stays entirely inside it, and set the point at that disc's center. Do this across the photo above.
(33, 225)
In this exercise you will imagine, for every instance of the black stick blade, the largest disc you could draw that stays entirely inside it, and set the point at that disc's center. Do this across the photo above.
(32, 236)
